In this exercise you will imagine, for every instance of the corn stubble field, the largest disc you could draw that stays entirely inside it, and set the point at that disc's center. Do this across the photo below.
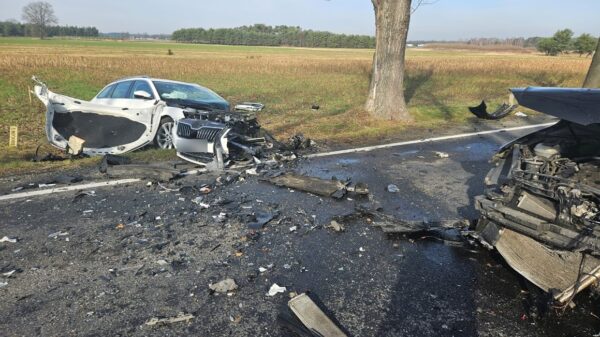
(440, 84)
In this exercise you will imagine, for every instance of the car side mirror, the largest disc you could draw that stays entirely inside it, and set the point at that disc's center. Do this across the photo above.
(142, 94)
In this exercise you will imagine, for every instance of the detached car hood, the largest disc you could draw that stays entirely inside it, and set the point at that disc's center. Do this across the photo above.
(577, 105)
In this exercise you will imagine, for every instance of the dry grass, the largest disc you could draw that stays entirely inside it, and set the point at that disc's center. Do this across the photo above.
(440, 83)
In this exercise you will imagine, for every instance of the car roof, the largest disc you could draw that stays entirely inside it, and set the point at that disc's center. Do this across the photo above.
(133, 78)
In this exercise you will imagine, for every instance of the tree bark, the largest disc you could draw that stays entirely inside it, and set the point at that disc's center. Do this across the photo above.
(386, 91)
(592, 80)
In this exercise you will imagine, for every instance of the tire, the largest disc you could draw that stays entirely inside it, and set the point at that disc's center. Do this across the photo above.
(164, 138)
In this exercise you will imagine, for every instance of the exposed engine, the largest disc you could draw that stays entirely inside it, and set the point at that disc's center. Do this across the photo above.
(207, 136)
(548, 187)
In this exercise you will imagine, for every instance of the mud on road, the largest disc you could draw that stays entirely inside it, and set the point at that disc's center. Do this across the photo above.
(109, 262)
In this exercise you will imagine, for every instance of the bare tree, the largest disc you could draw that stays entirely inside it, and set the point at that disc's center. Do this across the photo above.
(592, 80)
(40, 15)
(386, 91)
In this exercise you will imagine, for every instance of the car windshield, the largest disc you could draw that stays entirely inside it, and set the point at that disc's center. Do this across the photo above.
(171, 91)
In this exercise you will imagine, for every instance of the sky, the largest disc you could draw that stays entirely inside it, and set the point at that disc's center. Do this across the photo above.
(444, 20)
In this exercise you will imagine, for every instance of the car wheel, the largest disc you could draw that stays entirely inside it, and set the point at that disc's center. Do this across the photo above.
(164, 136)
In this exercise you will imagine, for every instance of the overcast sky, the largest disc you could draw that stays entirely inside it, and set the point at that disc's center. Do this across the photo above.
(445, 20)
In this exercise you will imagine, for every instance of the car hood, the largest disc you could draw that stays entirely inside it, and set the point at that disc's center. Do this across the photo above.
(204, 105)
(577, 105)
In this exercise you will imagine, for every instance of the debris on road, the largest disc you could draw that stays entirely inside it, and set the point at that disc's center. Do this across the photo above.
(336, 226)
(326, 188)
(182, 317)
(481, 112)
(441, 154)
(521, 114)
(261, 218)
(313, 318)
(276, 289)
(392, 188)
(57, 234)
(224, 286)
(7, 239)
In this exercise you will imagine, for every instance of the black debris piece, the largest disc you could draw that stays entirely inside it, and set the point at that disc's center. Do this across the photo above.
(504, 110)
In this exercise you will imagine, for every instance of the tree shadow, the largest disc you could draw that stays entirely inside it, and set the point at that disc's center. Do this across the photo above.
(546, 78)
(412, 82)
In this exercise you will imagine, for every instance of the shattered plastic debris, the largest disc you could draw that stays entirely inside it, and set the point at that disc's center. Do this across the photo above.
(315, 321)
(57, 234)
(7, 239)
(327, 188)
(293, 228)
(336, 226)
(262, 218)
(504, 110)
(179, 318)
(224, 286)
(393, 188)
(441, 154)
(276, 289)
(520, 114)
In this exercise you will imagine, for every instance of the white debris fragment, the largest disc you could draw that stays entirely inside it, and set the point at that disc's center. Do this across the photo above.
(87, 211)
(162, 262)
(252, 172)
(520, 114)
(7, 239)
(393, 188)
(262, 269)
(442, 154)
(8, 274)
(179, 318)
(293, 228)
(224, 286)
(149, 184)
(336, 226)
(46, 185)
(3, 284)
(204, 205)
(361, 249)
(286, 266)
(57, 234)
(276, 289)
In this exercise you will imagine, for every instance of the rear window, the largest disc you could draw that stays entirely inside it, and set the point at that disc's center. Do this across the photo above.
(121, 90)
(106, 92)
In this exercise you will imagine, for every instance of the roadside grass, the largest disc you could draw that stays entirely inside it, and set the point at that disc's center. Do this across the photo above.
(440, 84)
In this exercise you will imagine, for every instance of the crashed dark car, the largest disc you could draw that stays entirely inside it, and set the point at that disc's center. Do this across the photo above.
(541, 210)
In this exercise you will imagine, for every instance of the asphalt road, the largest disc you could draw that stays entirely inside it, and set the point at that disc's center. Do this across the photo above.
(133, 252)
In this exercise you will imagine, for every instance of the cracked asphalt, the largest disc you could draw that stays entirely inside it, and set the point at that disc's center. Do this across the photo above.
(107, 263)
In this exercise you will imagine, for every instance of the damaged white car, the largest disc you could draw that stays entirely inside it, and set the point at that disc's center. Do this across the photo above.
(542, 209)
(133, 112)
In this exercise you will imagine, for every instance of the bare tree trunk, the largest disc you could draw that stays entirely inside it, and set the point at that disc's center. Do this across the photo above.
(386, 91)
(592, 80)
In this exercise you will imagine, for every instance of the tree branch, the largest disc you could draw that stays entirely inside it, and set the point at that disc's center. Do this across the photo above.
(420, 3)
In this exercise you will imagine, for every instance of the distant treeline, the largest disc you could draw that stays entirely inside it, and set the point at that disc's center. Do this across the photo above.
(263, 35)
(530, 42)
(134, 36)
(12, 28)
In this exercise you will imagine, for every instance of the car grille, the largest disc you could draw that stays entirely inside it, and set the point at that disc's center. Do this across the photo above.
(209, 134)
(206, 133)
(184, 130)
